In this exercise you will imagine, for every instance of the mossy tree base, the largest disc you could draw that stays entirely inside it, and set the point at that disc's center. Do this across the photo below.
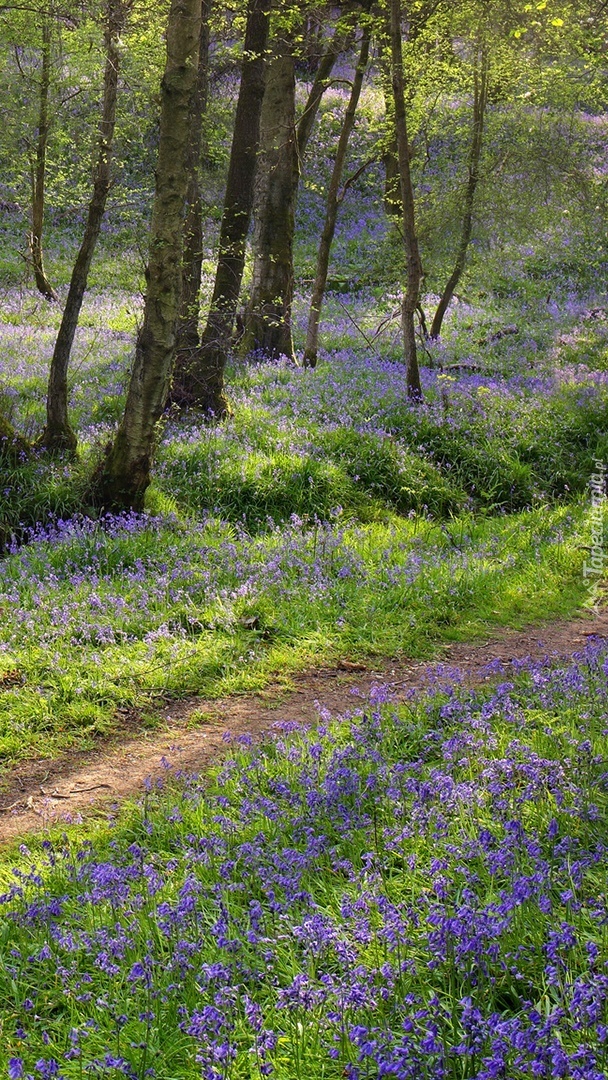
(13, 447)
(110, 488)
(269, 334)
(198, 382)
(58, 441)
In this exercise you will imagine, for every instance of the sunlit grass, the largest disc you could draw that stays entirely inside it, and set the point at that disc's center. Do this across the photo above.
(96, 616)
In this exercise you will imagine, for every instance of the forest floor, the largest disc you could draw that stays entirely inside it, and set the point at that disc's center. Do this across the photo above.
(191, 734)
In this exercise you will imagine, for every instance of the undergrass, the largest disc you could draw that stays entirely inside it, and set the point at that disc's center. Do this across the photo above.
(345, 436)
(418, 892)
(98, 615)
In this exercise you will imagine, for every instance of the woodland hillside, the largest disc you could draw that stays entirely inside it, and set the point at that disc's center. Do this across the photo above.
(304, 364)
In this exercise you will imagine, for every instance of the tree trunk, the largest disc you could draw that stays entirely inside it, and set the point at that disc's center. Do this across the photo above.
(393, 206)
(38, 167)
(125, 475)
(58, 434)
(305, 126)
(480, 100)
(319, 86)
(414, 266)
(311, 35)
(331, 214)
(268, 317)
(187, 327)
(202, 384)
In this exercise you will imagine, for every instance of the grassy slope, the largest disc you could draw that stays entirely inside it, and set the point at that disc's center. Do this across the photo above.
(343, 523)
(102, 617)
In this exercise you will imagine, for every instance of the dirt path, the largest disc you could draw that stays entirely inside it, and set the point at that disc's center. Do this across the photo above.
(193, 733)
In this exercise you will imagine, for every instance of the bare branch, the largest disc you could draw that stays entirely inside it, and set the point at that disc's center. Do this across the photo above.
(355, 176)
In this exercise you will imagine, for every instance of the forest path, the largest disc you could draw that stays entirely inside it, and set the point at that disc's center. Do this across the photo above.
(41, 793)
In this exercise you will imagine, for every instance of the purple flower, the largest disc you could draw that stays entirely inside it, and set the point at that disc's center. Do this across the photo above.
(137, 972)
(48, 1069)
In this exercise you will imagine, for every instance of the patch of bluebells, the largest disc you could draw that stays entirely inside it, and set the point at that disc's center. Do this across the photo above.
(361, 389)
(413, 891)
(138, 580)
(95, 611)
(101, 356)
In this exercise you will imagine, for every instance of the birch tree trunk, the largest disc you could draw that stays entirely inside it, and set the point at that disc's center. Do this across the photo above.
(413, 264)
(331, 213)
(202, 382)
(125, 475)
(58, 434)
(38, 166)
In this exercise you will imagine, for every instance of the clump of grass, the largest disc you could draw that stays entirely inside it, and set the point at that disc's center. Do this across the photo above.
(259, 476)
(411, 892)
(255, 487)
(35, 490)
(389, 472)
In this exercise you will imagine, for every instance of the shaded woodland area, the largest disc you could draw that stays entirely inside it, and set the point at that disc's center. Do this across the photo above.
(478, 93)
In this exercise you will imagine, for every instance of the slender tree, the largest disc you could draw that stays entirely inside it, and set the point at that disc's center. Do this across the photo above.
(125, 474)
(58, 434)
(320, 83)
(333, 199)
(480, 100)
(187, 327)
(418, 18)
(38, 163)
(411, 296)
(202, 383)
(283, 147)
(393, 205)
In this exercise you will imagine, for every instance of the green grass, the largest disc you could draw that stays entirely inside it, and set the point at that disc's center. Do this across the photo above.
(500, 446)
(97, 618)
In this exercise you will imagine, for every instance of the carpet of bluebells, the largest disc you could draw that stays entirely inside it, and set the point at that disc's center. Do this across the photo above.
(409, 891)
(328, 517)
